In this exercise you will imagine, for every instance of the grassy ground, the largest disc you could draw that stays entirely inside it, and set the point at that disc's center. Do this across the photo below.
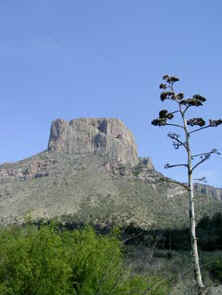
(176, 266)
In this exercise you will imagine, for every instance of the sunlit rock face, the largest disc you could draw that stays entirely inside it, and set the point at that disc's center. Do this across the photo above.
(94, 135)
(208, 190)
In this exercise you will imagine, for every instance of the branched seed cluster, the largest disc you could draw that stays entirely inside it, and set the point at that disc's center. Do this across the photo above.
(197, 100)
(180, 96)
(170, 79)
(184, 104)
(167, 95)
(196, 122)
(168, 84)
(159, 122)
(215, 123)
(199, 97)
(164, 115)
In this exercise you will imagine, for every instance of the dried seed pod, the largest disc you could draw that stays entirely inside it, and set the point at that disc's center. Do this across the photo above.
(165, 77)
(215, 123)
(163, 86)
(196, 122)
(167, 95)
(170, 116)
(180, 96)
(191, 102)
(163, 114)
(173, 79)
(199, 97)
(159, 122)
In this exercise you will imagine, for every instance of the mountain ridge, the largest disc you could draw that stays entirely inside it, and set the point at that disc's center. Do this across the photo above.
(91, 168)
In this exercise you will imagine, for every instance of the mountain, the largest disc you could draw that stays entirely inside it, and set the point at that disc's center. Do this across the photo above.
(208, 190)
(91, 172)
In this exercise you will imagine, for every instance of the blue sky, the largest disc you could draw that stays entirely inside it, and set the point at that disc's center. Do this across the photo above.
(70, 59)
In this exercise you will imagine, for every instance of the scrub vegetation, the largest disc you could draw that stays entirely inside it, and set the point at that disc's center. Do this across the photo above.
(46, 260)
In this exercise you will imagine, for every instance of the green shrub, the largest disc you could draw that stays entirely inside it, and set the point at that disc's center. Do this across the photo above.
(158, 285)
(215, 268)
(34, 262)
(49, 261)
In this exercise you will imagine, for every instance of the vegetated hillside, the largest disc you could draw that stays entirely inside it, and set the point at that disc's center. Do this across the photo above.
(91, 173)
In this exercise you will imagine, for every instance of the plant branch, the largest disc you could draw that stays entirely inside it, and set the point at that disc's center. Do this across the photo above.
(200, 162)
(176, 141)
(204, 156)
(198, 129)
(180, 142)
(202, 179)
(185, 110)
(175, 125)
(166, 179)
(200, 155)
(174, 165)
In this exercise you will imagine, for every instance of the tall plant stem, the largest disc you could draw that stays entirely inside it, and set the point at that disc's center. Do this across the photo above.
(193, 237)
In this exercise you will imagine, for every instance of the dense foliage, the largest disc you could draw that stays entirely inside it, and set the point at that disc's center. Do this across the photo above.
(50, 261)
(209, 233)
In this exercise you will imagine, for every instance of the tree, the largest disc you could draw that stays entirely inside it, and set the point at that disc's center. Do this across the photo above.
(189, 127)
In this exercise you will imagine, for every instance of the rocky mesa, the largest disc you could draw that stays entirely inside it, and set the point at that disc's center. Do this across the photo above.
(91, 172)
(94, 135)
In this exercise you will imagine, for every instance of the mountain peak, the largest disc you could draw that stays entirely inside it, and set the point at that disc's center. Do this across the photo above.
(105, 136)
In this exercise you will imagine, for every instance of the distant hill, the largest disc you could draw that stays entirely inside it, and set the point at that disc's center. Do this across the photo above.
(91, 172)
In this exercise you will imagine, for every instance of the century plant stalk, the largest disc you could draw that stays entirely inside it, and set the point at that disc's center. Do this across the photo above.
(193, 237)
(183, 106)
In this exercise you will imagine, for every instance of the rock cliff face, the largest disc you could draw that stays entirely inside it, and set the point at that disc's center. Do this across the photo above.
(94, 135)
(208, 190)
(91, 170)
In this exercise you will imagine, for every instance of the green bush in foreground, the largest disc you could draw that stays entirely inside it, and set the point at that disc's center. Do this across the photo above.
(215, 268)
(46, 261)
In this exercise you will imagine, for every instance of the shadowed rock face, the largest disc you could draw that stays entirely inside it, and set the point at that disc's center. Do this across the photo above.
(94, 135)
